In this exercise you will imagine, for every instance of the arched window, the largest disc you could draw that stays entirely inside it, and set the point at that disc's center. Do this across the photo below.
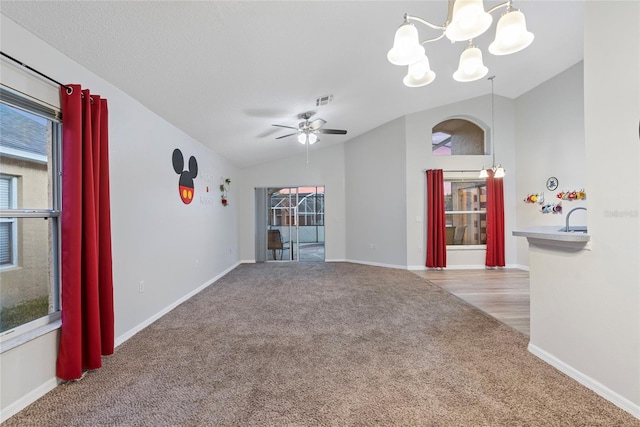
(458, 136)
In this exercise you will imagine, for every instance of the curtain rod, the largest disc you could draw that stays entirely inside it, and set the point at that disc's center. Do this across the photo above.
(461, 170)
(68, 88)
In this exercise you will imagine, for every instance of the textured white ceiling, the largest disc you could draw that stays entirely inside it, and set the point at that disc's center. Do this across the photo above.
(225, 71)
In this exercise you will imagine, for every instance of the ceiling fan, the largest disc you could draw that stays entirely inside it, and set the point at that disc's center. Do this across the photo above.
(308, 131)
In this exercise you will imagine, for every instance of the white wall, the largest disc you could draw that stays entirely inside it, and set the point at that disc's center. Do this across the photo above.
(325, 167)
(419, 159)
(174, 248)
(550, 142)
(585, 305)
(376, 196)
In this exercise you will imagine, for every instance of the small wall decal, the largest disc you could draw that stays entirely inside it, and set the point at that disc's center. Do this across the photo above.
(185, 183)
(552, 208)
(572, 195)
(224, 188)
(534, 198)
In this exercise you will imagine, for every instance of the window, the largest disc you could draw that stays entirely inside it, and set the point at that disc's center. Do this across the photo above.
(8, 226)
(29, 214)
(457, 137)
(465, 211)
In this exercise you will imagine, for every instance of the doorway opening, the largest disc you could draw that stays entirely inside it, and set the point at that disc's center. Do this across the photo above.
(294, 224)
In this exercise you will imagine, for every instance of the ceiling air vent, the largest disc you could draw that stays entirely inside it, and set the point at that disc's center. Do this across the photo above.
(323, 100)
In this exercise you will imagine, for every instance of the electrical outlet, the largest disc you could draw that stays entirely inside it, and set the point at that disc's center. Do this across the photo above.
(141, 286)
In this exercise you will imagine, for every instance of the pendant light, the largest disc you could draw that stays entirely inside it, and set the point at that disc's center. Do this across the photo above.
(498, 171)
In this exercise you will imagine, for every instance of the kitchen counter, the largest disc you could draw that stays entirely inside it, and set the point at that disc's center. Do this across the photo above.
(552, 234)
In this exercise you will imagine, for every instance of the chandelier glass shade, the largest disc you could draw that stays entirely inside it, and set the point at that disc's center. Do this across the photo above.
(406, 46)
(470, 67)
(419, 73)
(467, 19)
(511, 34)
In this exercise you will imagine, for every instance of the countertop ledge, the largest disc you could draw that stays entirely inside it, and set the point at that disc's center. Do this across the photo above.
(552, 233)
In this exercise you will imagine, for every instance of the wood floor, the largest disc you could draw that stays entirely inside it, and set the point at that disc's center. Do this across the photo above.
(503, 294)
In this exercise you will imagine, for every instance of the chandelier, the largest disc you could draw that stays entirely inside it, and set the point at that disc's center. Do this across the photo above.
(466, 20)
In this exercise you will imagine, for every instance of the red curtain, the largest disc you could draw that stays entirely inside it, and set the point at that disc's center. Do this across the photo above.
(436, 227)
(495, 221)
(87, 284)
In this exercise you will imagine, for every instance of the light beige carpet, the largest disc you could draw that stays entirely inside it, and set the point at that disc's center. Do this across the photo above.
(323, 345)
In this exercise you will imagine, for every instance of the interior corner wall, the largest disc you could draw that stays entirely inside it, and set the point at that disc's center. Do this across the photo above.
(550, 143)
(376, 196)
(325, 167)
(175, 248)
(419, 158)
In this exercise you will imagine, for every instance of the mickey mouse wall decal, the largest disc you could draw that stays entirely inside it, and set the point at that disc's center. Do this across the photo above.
(185, 183)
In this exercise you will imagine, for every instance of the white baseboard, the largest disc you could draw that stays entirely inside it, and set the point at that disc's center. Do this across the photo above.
(377, 264)
(28, 399)
(131, 332)
(600, 389)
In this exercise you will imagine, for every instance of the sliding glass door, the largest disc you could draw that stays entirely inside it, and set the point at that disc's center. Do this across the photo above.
(294, 224)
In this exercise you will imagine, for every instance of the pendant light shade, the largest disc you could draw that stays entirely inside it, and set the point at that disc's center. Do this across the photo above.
(406, 47)
(499, 172)
(313, 138)
(511, 34)
(419, 73)
(484, 173)
(469, 20)
(470, 67)
(302, 138)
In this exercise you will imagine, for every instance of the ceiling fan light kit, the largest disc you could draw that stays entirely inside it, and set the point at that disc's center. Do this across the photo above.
(466, 19)
(307, 133)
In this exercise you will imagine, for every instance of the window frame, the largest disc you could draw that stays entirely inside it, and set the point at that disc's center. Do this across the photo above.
(12, 203)
(34, 328)
(483, 127)
(451, 178)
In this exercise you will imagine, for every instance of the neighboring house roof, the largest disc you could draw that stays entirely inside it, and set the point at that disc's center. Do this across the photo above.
(21, 133)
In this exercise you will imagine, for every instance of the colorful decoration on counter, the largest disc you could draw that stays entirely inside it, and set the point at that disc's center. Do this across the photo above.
(552, 208)
(224, 188)
(535, 198)
(572, 195)
(185, 182)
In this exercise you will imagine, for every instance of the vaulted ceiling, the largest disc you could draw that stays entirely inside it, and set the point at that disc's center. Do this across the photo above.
(225, 71)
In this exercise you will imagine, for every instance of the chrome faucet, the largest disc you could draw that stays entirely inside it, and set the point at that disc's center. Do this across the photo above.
(566, 228)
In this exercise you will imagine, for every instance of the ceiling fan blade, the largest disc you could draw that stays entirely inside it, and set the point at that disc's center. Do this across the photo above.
(284, 136)
(333, 131)
(283, 126)
(315, 125)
